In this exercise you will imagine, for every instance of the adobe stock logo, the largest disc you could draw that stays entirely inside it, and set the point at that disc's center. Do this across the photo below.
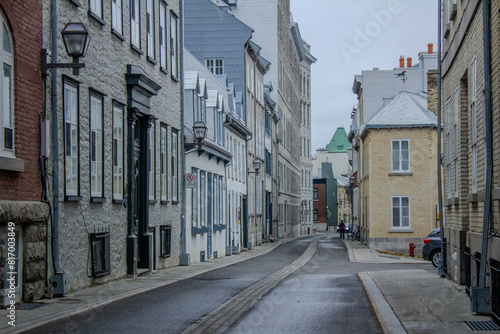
(363, 37)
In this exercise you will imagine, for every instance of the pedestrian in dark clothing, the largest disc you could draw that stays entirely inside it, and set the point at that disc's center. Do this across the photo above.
(342, 229)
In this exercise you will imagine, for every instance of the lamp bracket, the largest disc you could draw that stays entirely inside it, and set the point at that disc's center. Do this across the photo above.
(45, 66)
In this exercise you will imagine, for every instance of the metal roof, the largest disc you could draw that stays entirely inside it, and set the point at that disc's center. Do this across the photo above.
(191, 80)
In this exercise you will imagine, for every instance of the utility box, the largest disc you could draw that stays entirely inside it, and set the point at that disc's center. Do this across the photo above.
(59, 283)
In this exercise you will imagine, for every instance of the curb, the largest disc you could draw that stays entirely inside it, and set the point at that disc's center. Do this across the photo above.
(388, 321)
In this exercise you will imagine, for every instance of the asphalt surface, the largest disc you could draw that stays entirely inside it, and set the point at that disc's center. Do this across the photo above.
(321, 295)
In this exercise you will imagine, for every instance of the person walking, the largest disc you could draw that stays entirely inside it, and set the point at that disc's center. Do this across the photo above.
(342, 229)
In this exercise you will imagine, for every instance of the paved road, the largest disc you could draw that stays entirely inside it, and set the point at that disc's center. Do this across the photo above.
(304, 286)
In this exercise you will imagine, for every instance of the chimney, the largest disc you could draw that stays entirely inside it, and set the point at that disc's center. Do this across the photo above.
(430, 48)
(401, 61)
(408, 62)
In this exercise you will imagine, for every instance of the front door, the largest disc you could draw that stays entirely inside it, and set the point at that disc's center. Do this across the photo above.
(244, 219)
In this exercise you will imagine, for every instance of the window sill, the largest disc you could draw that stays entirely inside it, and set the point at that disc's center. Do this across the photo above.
(164, 256)
(152, 201)
(76, 3)
(400, 230)
(119, 201)
(117, 34)
(495, 194)
(175, 202)
(451, 201)
(174, 78)
(401, 174)
(72, 198)
(136, 49)
(97, 199)
(473, 198)
(12, 164)
(164, 202)
(151, 60)
(164, 70)
(97, 18)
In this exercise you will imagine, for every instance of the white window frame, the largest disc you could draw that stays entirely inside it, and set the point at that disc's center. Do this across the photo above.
(203, 197)
(150, 30)
(448, 112)
(400, 158)
(194, 199)
(174, 160)
(71, 120)
(117, 16)
(135, 23)
(174, 59)
(7, 121)
(163, 163)
(96, 143)
(118, 147)
(152, 163)
(400, 208)
(473, 126)
(163, 35)
(215, 65)
(95, 7)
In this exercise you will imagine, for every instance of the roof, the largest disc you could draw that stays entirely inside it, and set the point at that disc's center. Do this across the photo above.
(405, 110)
(212, 99)
(191, 80)
(339, 142)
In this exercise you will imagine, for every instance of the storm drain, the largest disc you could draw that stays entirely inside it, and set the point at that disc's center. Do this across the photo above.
(483, 325)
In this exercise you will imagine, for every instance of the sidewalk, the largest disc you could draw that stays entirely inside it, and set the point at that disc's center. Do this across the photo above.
(29, 316)
(413, 301)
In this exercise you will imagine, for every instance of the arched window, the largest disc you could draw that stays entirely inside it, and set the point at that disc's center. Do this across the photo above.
(7, 91)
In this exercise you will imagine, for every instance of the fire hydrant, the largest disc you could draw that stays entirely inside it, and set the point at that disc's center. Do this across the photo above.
(308, 230)
(412, 249)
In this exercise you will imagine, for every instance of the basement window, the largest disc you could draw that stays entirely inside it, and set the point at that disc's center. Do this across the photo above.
(100, 248)
(165, 240)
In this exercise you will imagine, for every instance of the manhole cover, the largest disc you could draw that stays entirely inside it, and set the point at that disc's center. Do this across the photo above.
(483, 325)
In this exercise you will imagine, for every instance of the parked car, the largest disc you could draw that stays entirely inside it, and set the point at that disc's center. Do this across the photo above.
(346, 229)
(432, 247)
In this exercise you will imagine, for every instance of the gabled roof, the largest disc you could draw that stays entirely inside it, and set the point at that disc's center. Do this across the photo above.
(191, 80)
(339, 142)
(212, 99)
(404, 111)
(203, 87)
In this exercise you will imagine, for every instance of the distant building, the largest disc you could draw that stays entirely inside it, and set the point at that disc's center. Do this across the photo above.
(325, 200)
(335, 153)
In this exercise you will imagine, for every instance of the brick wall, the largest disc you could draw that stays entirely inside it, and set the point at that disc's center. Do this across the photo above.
(26, 29)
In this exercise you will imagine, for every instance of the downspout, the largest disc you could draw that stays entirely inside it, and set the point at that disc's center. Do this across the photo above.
(255, 143)
(184, 258)
(442, 262)
(278, 182)
(488, 140)
(229, 222)
(243, 96)
(55, 140)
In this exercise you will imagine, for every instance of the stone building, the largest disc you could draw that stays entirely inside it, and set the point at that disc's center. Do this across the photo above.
(116, 142)
(24, 210)
(336, 153)
(470, 72)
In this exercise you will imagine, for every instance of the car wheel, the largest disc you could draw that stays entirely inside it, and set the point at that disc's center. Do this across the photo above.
(436, 257)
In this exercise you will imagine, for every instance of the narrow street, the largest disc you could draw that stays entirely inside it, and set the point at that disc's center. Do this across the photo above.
(307, 285)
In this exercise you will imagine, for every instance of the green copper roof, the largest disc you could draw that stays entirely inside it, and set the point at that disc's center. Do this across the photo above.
(339, 142)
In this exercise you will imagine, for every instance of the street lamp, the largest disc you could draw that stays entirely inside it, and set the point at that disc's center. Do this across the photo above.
(76, 41)
(199, 131)
(256, 166)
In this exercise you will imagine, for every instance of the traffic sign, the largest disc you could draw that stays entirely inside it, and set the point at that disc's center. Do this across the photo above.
(189, 180)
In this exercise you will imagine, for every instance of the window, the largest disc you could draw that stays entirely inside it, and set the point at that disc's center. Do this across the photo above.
(173, 45)
(71, 138)
(6, 86)
(315, 194)
(165, 240)
(221, 201)
(203, 197)
(455, 131)
(151, 165)
(215, 65)
(400, 212)
(96, 145)
(95, 8)
(163, 162)
(194, 198)
(150, 24)
(100, 249)
(175, 166)
(315, 215)
(118, 151)
(447, 136)
(473, 127)
(135, 23)
(163, 35)
(400, 155)
(117, 16)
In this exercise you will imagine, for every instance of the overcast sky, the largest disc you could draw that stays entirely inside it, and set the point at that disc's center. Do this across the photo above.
(348, 36)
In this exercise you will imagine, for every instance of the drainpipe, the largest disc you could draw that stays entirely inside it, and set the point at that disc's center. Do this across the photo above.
(55, 140)
(255, 142)
(184, 258)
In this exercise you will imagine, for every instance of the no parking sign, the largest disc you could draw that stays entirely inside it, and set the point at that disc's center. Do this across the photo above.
(189, 180)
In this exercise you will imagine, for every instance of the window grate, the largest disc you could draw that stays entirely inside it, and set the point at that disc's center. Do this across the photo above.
(166, 240)
(482, 325)
(467, 270)
(100, 248)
